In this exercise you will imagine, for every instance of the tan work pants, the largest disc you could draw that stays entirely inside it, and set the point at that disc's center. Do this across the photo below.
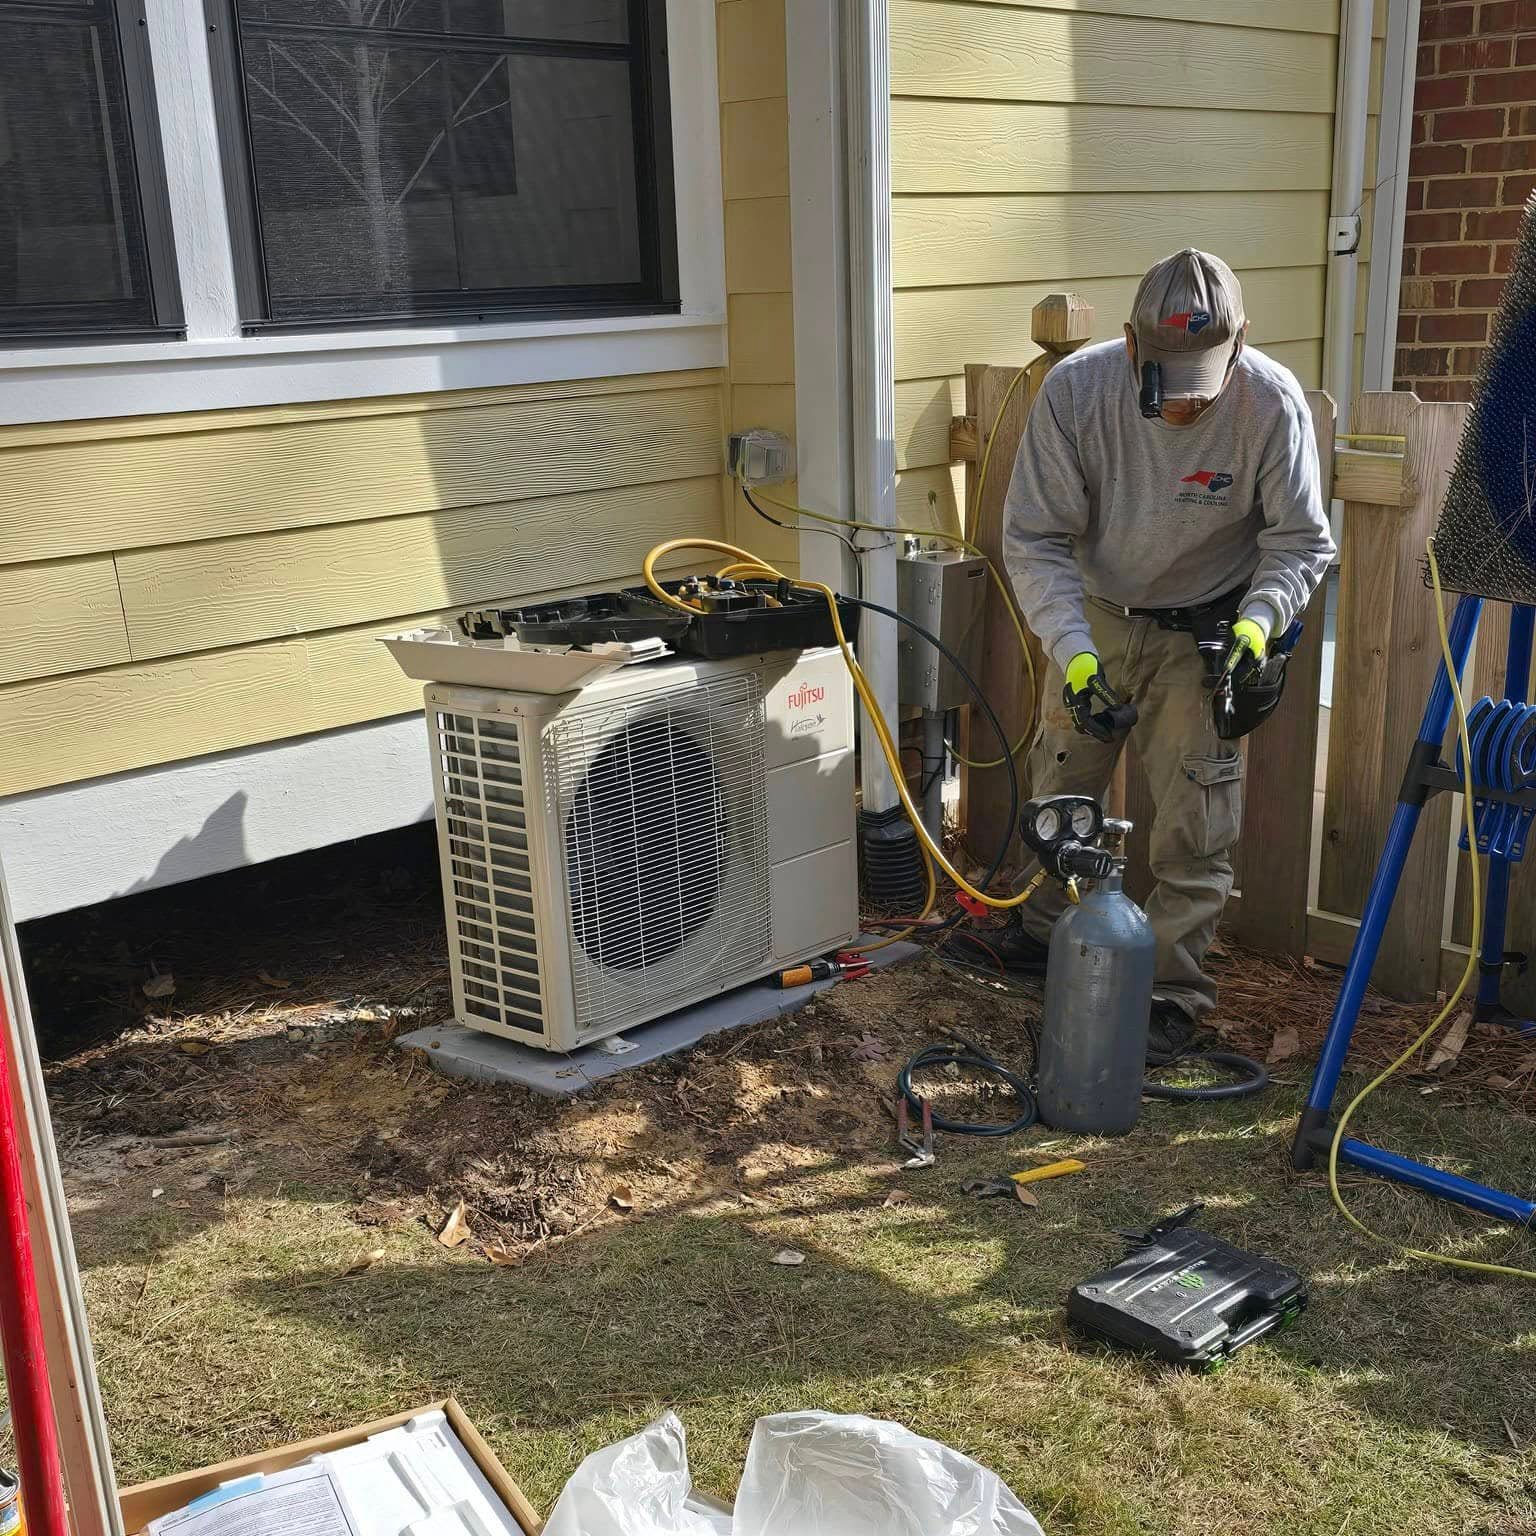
(1196, 785)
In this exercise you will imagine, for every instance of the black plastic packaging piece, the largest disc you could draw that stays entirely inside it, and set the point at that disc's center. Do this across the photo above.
(1186, 1297)
(588, 620)
(741, 622)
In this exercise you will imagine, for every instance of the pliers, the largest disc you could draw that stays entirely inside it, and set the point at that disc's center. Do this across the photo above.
(922, 1155)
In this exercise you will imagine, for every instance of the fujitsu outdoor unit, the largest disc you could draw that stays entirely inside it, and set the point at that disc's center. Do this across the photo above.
(666, 832)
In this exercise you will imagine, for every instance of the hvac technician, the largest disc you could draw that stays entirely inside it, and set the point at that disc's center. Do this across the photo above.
(1166, 491)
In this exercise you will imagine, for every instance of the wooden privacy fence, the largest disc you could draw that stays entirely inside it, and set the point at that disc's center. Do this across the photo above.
(1311, 838)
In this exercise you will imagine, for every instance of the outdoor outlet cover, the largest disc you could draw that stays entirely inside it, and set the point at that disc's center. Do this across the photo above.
(760, 456)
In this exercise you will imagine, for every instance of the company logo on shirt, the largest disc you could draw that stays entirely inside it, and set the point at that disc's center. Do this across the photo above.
(1205, 488)
(1192, 320)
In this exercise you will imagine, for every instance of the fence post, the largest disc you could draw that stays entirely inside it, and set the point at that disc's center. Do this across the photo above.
(1385, 660)
(1274, 855)
(1061, 323)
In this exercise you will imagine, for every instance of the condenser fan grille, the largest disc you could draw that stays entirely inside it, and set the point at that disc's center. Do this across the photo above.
(664, 816)
(493, 914)
(645, 845)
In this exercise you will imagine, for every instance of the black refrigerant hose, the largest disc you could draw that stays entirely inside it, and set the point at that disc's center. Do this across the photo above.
(1251, 1077)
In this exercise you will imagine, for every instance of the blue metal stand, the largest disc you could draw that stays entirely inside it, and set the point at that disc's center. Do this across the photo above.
(1426, 776)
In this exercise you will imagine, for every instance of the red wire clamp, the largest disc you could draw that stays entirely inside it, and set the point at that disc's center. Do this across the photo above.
(971, 904)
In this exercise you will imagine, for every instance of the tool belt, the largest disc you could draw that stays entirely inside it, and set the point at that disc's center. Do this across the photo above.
(1236, 709)
(1194, 617)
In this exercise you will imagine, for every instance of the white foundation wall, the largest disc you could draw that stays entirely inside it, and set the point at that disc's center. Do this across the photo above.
(128, 832)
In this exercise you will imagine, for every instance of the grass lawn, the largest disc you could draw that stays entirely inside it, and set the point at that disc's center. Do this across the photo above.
(224, 1319)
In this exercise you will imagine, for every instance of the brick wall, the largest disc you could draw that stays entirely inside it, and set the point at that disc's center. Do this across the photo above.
(1473, 165)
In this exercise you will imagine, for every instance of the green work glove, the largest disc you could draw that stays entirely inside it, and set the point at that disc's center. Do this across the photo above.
(1086, 687)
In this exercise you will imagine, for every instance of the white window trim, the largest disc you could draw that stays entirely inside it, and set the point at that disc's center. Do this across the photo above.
(216, 367)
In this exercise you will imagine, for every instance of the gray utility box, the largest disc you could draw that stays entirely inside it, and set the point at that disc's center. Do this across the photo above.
(945, 593)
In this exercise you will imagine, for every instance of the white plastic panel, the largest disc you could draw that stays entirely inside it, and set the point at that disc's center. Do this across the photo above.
(815, 901)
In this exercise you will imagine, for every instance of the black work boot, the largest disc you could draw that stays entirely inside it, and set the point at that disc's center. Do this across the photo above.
(1019, 951)
(1172, 1033)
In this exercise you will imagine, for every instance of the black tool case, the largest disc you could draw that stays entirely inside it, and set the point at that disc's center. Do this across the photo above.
(1187, 1297)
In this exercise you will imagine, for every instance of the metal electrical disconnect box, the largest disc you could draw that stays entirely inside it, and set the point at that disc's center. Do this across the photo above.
(944, 592)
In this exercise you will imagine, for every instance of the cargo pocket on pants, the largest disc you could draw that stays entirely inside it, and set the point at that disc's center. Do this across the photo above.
(1218, 805)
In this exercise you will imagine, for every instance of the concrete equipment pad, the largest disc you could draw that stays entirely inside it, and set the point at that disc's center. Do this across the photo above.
(471, 1053)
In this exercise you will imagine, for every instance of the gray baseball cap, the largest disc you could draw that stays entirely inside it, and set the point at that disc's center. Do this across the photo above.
(1188, 316)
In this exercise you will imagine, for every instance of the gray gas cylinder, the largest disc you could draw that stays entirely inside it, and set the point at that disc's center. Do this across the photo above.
(1098, 1001)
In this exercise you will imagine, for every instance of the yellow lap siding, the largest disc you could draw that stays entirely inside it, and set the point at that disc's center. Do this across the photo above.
(924, 410)
(63, 616)
(189, 597)
(754, 148)
(757, 251)
(939, 48)
(940, 330)
(992, 146)
(69, 728)
(762, 338)
(978, 239)
(122, 494)
(1286, 15)
(178, 424)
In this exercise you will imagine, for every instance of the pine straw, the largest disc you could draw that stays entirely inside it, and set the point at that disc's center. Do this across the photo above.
(1263, 995)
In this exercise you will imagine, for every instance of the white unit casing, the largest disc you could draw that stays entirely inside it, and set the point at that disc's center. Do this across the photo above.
(665, 833)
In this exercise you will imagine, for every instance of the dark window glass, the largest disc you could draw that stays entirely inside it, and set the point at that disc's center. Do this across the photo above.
(73, 252)
(411, 157)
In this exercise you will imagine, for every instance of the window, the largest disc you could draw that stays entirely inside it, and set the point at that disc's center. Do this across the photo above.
(409, 158)
(84, 233)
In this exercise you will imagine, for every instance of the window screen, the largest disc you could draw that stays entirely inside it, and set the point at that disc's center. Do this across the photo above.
(75, 253)
(412, 157)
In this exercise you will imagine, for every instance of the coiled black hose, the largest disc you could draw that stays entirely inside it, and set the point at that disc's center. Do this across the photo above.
(968, 1058)
(1252, 1077)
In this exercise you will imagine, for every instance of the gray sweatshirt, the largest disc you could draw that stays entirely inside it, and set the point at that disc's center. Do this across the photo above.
(1148, 515)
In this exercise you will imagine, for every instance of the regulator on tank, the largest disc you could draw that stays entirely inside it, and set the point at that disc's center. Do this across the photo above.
(1098, 981)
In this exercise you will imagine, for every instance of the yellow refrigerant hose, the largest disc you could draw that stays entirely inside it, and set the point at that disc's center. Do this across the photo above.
(1010, 604)
(861, 685)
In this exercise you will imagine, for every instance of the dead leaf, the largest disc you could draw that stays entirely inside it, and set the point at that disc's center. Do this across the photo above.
(621, 1197)
(790, 1258)
(1285, 1045)
(507, 1258)
(1451, 1042)
(193, 1047)
(279, 983)
(1026, 1196)
(898, 1197)
(1500, 1082)
(456, 1229)
(365, 1261)
(869, 1048)
(161, 984)
(155, 1194)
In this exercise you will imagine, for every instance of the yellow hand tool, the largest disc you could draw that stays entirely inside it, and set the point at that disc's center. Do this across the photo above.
(1048, 1171)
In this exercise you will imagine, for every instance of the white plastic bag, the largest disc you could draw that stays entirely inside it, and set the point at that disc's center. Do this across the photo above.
(807, 1474)
(824, 1474)
(639, 1487)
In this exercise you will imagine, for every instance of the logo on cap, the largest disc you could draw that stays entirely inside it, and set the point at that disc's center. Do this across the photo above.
(1209, 479)
(1192, 320)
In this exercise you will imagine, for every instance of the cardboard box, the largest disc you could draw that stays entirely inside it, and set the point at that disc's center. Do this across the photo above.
(148, 1501)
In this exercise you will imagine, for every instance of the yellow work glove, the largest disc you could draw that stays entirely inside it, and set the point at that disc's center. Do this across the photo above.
(1087, 687)
(1244, 656)
(1080, 670)
(1251, 633)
